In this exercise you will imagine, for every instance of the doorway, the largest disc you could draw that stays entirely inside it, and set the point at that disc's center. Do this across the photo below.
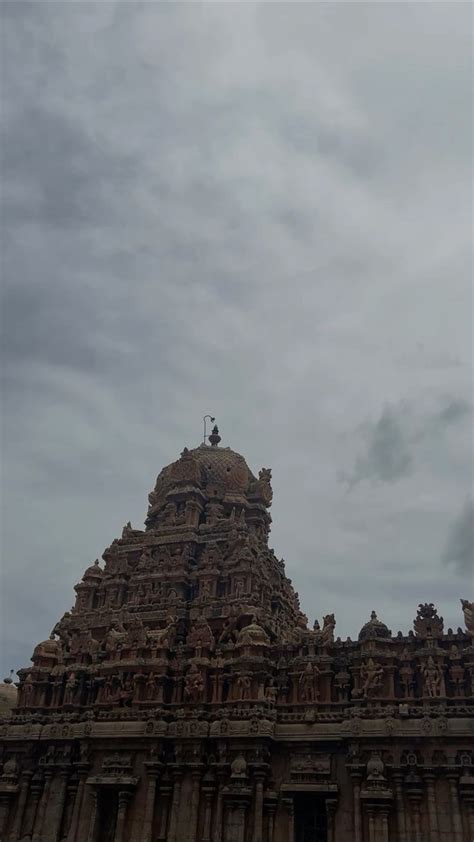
(108, 805)
(310, 818)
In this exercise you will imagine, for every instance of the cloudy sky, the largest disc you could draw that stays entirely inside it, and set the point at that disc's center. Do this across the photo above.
(258, 211)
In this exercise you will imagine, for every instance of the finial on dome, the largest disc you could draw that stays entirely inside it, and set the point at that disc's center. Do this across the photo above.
(215, 438)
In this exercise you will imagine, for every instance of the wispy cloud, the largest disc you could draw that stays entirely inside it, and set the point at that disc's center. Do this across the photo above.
(459, 550)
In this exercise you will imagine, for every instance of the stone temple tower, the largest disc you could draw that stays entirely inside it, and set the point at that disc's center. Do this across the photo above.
(185, 699)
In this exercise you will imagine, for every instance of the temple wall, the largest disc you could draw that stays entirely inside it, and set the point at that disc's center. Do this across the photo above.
(180, 802)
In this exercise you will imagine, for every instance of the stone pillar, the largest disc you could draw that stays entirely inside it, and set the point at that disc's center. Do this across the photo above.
(4, 811)
(194, 808)
(371, 815)
(173, 828)
(40, 814)
(331, 806)
(288, 804)
(455, 812)
(357, 777)
(271, 821)
(70, 799)
(219, 815)
(56, 809)
(400, 808)
(32, 807)
(240, 822)
(206, 833)
(384, 825)
(470, 815)
(258, 805)
(123, 799)
(15, 832)
(92, 829)
(432, 811)
(165, 792)
(72, 833)
(147, 826)
(416, 820)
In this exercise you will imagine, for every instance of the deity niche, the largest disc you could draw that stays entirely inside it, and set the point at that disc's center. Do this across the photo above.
(194, 685)
(26, 691)
(205, 590)
(456, 674)
(214, 513)
(151, 686)
(244, 688)
(115, 638)
(239, 587)
(125, 692)
(271, 693)
(136, 634)
(70, 689)
(406, 680)
(342, 683)
(162, 638)
(200, 637)
(372, 679)
(308, 691)
(238, 767)
(432, 678)
(82, 599)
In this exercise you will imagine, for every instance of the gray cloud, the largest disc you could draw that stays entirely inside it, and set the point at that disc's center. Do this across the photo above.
(459, 550)
(396, 440)
(231, 209)
(388, 456)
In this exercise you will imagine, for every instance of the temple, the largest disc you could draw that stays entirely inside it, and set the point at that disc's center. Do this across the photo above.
(185, 699)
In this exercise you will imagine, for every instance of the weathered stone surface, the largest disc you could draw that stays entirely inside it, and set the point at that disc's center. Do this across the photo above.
(185, 699)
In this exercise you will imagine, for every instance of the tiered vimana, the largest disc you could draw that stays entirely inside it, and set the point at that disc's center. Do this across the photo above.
(185, 699)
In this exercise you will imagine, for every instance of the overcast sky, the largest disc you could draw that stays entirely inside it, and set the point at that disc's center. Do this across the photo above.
(258, 211)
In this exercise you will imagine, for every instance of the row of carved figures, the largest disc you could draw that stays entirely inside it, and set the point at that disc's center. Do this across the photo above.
(311, 684)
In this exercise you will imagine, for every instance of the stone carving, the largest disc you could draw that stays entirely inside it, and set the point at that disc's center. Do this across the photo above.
(427, 624)
(70, 689)
(432, 677)
(115, 638)
(271, 693)
(371, 675)
(200, 637)
(239, 767)
(194, 685)
(327, 634)
(244, 686)
(263, 486)
(10, 770)
(468, 611)
(308, 691)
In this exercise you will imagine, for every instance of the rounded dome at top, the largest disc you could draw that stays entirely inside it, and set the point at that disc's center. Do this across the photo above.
(222, 467)
(210, 468)
(8, 695)
(374, 628)
(94, 571)
(47, 649)
(253, 635)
